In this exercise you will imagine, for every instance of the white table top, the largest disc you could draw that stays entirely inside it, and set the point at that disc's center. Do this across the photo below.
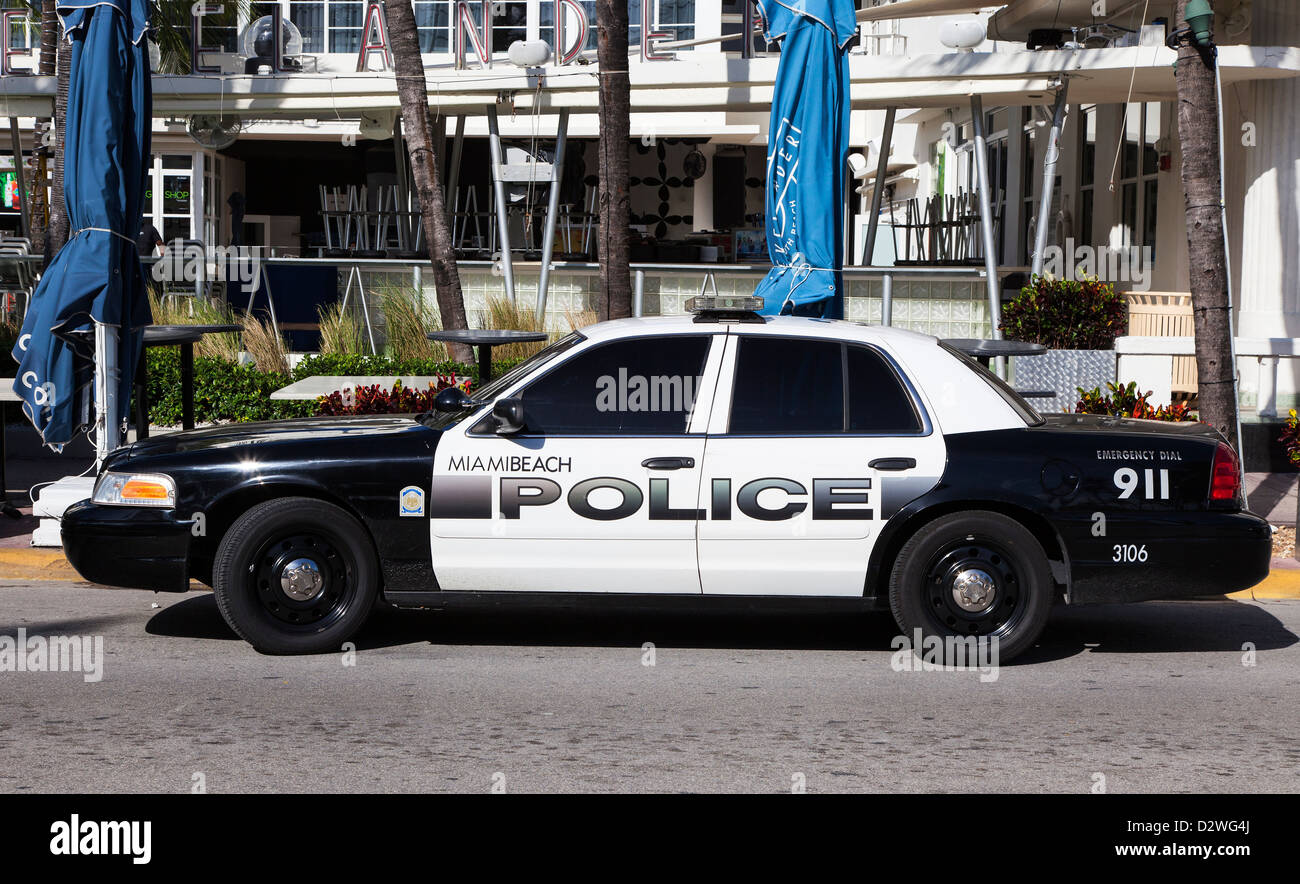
(323, 384)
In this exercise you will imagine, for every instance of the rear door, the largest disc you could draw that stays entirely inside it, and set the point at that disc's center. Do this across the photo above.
(813, 444)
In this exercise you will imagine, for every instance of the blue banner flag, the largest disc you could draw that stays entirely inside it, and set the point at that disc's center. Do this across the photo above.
(807, 147)
(96, 276)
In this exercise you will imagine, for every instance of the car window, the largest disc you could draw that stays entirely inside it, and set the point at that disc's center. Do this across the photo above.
(794, 386)
(878, 403)
(638, 386)
(788, 386)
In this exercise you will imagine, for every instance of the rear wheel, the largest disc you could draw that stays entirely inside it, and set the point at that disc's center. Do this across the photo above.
(295, 576)
(976, 574)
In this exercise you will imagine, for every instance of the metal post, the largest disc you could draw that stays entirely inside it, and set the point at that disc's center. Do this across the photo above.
(986, 223)
(747, 28)
(552, 211)
(1049, 175)
(401, 210)
(494, 142)
(23, 195)
(638, 293)
(108, 419)
(877, 193)
(453, 175)
(887, 300)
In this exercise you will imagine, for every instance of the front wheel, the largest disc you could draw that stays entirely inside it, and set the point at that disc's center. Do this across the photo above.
(295, 576)
(973, 575)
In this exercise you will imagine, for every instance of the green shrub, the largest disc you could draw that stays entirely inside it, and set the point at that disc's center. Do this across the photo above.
(226, 392)
(1066, 314)
(223, 391)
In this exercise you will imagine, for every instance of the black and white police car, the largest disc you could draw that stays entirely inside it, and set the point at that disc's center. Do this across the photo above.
(707, 456)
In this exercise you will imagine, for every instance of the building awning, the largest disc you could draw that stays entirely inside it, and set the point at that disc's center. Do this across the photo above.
(703, 83)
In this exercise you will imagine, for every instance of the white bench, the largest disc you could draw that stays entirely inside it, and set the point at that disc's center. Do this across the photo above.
(1150, 362)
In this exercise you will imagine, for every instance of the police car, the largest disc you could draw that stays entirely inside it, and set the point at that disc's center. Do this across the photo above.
(721, 455)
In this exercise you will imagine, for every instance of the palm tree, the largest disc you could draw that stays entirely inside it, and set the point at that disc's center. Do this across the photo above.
(615, 133)
(413, 94)
(1198, 127)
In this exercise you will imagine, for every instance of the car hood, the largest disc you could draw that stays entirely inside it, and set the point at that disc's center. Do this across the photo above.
(315, 429)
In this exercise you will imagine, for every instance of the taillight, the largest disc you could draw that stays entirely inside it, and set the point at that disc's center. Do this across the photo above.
(1225, 479)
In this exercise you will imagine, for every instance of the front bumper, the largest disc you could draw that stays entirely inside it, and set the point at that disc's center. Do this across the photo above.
(1187, 554)
(135, 547)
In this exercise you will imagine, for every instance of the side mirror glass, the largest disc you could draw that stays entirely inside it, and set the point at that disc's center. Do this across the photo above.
(509, 414)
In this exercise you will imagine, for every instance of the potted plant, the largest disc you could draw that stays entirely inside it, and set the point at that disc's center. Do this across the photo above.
(1077, 320)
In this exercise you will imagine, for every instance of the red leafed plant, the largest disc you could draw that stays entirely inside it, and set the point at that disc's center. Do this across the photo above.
(376, 400)
(1126, 401)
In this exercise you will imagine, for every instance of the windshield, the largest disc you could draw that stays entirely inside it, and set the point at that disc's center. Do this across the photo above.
(1017, 402)
(442, 419)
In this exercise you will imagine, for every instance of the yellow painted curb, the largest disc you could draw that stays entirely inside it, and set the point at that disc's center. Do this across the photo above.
(1281, 583)
(36, 564)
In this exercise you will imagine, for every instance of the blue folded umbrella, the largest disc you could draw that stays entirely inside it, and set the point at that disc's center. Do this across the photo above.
(96, 276)
(807, 144)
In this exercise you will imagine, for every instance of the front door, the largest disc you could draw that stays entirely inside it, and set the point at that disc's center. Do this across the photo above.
(813, 444)
(597, 492)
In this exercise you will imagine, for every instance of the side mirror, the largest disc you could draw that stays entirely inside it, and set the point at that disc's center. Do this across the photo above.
(509, 414)
(452, 399)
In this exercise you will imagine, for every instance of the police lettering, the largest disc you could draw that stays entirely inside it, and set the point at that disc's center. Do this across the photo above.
(848, 498)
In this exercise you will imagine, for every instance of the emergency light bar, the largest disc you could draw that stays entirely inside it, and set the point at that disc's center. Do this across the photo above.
(723, 308)
(723, 303)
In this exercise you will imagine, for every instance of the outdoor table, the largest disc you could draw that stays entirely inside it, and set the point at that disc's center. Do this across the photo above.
(485, 340)
(169, 336)
(982, 350)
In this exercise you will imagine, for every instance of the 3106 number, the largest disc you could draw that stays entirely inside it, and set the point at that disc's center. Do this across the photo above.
(1130, 553)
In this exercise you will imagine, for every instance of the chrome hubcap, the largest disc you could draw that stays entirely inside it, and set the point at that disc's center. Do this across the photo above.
(974, 590)
(301, 580)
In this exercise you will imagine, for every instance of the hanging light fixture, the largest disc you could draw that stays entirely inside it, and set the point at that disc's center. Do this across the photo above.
(1200, 18)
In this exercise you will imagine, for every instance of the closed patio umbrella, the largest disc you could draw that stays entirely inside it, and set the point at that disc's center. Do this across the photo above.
(807, 146)
(91, 303)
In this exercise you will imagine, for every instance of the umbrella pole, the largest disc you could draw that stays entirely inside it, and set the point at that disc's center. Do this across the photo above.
(108, 414)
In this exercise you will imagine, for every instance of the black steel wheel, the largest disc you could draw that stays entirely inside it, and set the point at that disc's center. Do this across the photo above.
(977, 575)
(296, 575)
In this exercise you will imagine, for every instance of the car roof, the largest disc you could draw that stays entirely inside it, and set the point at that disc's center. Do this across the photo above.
(789, 325)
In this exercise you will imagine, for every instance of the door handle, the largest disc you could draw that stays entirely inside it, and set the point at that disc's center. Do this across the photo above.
(893, 464)
(668, 463)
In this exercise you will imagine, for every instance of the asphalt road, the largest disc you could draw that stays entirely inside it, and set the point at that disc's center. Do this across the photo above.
(1153, 697)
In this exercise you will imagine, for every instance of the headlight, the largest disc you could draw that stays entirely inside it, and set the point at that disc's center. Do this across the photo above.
(135, 489)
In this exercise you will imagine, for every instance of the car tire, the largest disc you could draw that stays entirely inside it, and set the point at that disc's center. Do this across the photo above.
(973, 573)
(296, 575)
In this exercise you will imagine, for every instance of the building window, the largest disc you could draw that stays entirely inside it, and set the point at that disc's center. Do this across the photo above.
(1087, 170)
(168, 197)
(1139, 174)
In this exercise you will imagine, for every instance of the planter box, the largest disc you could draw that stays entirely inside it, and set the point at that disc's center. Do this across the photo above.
(1062, 371)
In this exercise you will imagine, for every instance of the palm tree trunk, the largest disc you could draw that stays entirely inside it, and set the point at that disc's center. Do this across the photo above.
(48, 67)
(615, 133)
(56, 234)
(411, 91)
(1198, 126)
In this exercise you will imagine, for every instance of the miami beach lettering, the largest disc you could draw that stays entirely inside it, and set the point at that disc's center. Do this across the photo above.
(513, 464)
